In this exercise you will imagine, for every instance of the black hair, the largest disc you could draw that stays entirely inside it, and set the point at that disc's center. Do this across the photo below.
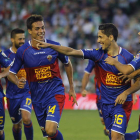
(32, 19)
(16, 31)
(109, 29)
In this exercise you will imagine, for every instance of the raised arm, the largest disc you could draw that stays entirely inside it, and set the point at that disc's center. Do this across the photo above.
(62, 49)
(69, 72)
(124, 69)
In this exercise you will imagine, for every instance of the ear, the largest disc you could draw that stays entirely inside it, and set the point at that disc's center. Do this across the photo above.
(29, 31)
(111, 38)
(12, 40)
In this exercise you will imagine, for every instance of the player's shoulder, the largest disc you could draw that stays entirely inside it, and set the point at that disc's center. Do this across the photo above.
(52, 42)
(126, 52)
(7, 51)
(24, 47)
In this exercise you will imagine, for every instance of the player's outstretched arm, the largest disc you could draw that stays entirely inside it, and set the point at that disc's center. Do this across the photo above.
(19, 82)
(62, 49)
(122, 97)
(84, 83)
(69, 72)
(124, 69)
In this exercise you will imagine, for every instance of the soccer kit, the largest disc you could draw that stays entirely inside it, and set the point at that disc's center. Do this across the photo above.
(43, 75)
(88, 69)
(17, 99)
(5, 62)
(115, 117)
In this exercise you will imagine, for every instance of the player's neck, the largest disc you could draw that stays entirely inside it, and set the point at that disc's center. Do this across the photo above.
(33, 43)
(113, 49)
(14, 49)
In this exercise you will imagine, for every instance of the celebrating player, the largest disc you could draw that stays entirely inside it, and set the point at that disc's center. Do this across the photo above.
(116, 116)
(19, 100)
(43, 75)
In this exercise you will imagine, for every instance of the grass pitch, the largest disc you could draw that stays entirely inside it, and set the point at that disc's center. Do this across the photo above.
(75, 125)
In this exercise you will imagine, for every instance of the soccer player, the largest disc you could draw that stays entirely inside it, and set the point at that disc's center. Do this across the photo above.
(92, 65)
(19, 100)
(5, 62)
(116, 116)
(43, 76)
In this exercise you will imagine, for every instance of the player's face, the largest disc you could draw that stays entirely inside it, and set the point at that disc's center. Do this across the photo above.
(103, 40)
(139, 36)
(19, 40)
(38, 30)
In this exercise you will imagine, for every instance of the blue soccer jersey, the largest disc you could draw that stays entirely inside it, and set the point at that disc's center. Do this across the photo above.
(42, 71)
(135, 63)
(5, 62)
(12, 91)
(111, 85)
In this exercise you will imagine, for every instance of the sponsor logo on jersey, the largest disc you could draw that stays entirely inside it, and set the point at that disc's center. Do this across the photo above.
(39, 53)
(112, 79)
(49, 57)
(42, 73)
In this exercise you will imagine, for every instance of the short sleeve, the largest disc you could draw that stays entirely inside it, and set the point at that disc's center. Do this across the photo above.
(90, 66)
(18, 62)
(4, 60)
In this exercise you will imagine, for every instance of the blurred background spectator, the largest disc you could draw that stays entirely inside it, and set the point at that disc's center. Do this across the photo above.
(74, 23)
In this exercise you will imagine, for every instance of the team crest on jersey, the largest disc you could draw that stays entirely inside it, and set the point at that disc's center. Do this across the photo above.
(49, 57)
(136, 57)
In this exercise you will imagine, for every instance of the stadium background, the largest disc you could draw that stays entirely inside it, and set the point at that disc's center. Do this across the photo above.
(74, 23)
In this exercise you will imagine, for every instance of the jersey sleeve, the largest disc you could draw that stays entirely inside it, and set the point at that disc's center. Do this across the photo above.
(93, 54)
(63, 58)
(135, 63)
(90, 66)
(18, 62)
(4, 60)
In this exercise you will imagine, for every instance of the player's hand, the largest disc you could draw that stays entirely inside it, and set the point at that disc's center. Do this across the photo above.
(72, 94)
(21, 82)
(110, 60)
(127, 78)
(134, 98)
(41, 44)
(84, 93)
(121, 98)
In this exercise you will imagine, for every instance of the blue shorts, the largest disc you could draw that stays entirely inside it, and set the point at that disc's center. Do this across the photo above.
(16, 105)
(51, 113)
(99, 108)
(116, 117)
(2, 114)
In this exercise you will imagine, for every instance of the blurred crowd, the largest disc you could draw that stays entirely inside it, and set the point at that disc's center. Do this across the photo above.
(74, 23)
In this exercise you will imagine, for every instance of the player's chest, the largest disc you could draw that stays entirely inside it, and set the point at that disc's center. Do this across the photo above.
(35, 58)
(108, 67)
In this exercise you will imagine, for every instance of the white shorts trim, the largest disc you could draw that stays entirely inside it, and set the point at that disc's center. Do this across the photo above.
(18, 121)
(24, 110)
(117, 132)
(52, 121)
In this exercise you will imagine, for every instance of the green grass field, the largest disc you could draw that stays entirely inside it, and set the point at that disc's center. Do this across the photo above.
(75, 125)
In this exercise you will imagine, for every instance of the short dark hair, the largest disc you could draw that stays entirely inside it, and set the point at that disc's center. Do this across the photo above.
(16, 31)
(109, 29)
(32, 19)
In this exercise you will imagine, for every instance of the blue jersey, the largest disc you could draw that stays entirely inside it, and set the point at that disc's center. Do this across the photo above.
(42, 71)
(88, 69)
(111, 85)
(12, 91)
(135, 63)
(5, 62)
